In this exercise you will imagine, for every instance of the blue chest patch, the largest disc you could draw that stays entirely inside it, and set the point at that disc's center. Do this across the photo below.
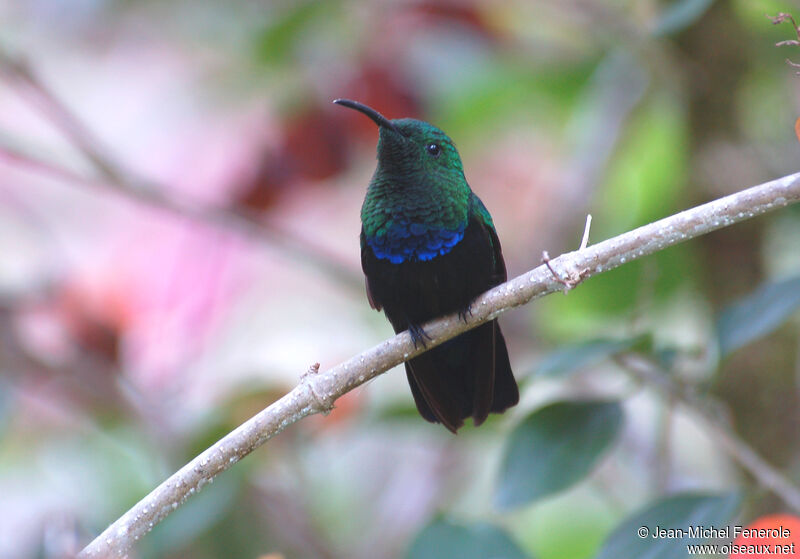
(413, 241)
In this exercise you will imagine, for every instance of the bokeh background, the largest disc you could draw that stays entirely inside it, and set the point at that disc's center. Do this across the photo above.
(179, 218)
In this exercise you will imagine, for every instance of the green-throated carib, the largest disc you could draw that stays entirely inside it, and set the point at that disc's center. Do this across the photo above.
(428, 248)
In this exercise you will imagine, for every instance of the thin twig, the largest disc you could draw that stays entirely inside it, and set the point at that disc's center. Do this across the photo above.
(585, 239)
(766, 475)
(572, 281)
(316, 391)
(780, 18)
(569, 283)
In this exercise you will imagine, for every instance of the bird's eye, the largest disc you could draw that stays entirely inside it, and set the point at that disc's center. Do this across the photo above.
(434, 149)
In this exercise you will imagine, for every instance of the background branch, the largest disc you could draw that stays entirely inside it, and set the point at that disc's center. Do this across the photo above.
(764, 473)
(317, 392)
(246, 223)
(117, 179)
(26, 78)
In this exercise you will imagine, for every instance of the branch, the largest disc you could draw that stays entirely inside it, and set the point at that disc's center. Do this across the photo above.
(317, 392)
(763, 472)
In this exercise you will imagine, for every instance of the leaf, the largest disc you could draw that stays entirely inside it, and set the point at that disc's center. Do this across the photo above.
(444, 538)
(555, 447)
(579, 356)
(680, 15)
(758, 314)
(286, 30)
(679, 511)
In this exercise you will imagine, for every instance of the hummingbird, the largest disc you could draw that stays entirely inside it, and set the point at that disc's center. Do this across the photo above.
(428, 248)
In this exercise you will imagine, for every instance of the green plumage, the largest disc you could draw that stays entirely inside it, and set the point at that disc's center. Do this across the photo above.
(401, 193)
(428, 248)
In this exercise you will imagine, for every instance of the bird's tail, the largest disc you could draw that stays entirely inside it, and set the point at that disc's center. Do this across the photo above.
(468, 376)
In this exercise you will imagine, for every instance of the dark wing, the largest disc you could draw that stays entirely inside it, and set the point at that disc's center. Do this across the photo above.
(500, 274)
(373, 302)
(495, 388)
(481, 216)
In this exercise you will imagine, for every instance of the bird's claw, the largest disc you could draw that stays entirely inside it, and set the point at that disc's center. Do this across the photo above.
(418, 335)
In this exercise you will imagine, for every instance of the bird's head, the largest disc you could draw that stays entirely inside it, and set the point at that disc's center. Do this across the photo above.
(410, 147)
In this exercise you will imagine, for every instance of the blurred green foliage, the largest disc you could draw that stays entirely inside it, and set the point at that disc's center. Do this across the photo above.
(554, 448)
(466, 542)
(758, 314)
(569, 359)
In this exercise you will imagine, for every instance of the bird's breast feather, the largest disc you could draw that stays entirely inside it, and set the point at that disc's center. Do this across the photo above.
(404, 242)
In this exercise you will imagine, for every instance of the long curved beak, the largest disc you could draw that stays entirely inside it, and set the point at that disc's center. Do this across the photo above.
(376, 117)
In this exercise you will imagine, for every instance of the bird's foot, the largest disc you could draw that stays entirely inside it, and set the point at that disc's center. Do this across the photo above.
(462, 314)
(418, 335)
